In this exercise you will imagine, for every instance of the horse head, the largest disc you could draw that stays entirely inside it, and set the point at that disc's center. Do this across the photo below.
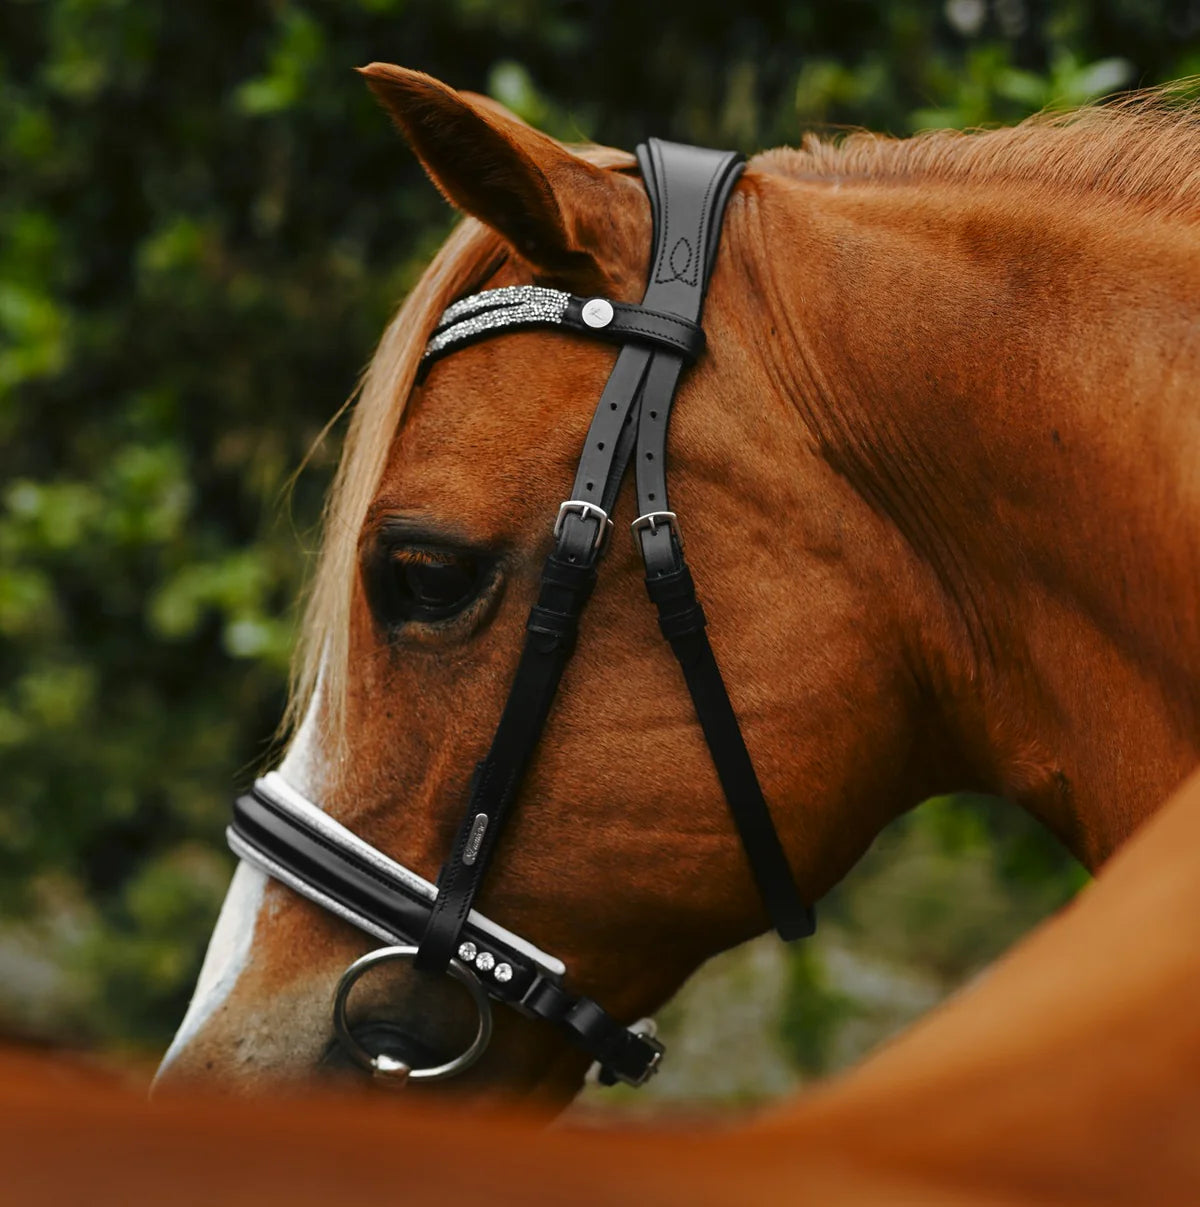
(854, 661)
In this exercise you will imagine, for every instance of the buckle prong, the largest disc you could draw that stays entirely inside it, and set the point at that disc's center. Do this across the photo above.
(653, 520)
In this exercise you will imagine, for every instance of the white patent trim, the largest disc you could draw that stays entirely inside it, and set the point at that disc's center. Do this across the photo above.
(277, 788)
(256, 859)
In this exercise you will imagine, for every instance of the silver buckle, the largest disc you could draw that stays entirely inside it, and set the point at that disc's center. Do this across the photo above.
(585, 511)
(645, 1029)
(652, 520)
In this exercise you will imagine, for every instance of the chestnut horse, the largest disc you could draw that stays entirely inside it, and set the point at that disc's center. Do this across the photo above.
(937, 471)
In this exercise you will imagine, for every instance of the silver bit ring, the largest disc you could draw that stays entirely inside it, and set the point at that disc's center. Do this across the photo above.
(389, 1068)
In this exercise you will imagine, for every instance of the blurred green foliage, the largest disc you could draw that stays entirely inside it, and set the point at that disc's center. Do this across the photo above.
(204, 223)
(941, 894)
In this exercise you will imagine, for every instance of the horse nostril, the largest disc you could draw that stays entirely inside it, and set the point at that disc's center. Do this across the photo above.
(380, 1038)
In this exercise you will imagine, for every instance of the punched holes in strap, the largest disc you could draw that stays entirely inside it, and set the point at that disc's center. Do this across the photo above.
(568, 577)
(689, 189)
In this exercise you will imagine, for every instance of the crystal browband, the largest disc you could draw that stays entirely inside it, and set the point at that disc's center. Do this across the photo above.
(527, 306)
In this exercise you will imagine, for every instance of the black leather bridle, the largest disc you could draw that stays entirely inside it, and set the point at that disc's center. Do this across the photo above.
(291, 839)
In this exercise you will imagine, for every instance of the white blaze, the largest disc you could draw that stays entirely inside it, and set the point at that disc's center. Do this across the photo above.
(231, 943)
(301, 765)
(226, 958)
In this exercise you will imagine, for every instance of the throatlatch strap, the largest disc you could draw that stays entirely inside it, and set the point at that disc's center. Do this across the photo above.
(687, 225)
(682, 621)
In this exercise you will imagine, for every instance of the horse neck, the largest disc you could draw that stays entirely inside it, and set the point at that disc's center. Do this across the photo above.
(1010, 381)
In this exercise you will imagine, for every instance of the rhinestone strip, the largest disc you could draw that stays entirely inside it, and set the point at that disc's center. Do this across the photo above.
(506, 295)
(521, 305)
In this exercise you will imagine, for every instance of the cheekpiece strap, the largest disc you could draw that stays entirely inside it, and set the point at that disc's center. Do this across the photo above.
(687, 221)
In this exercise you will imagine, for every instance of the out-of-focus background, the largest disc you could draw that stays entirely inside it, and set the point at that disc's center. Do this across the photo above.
(204, 224)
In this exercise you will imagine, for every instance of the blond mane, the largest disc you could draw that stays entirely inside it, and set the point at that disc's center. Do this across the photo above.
(322, 652)
(1143, 150)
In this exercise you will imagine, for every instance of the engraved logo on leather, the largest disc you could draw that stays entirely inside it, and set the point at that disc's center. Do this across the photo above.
(475, 839)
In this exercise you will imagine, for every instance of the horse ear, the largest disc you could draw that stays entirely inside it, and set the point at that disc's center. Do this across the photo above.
(544, 200)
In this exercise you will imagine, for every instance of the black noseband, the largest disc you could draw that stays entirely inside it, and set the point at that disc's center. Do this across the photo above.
(287, 836)
(293, 841)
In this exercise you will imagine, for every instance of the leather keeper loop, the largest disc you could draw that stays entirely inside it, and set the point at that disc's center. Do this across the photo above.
(674, 587)
(576, 577)
(589, 1022)
(546, 1000)
(554, 624)
(629, 322)
(680, 624)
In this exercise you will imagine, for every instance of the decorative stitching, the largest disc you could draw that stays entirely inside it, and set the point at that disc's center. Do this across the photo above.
(659, 278)
(680, 274)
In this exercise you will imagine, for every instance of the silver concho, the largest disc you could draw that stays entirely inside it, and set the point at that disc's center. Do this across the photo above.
(597, 312)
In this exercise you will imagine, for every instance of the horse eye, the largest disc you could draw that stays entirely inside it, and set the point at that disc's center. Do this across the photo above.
(421, 584)
(436, 585)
